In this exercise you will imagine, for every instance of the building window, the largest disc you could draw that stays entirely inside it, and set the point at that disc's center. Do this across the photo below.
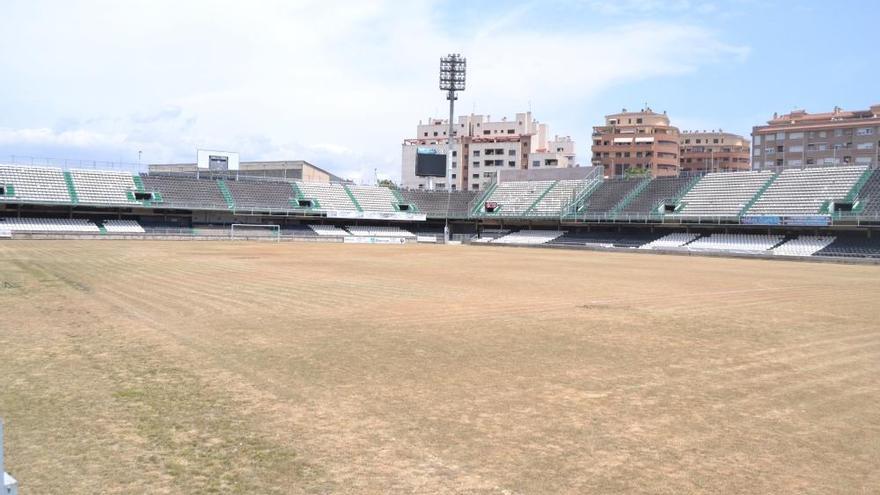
(865, 131)
(453, 176)
(511, 152)
(796, 149)
(511, 164)
(758, 139)
(476, 164)
(865, 146)
(475, 187)
(476, 152)
(476, 176)
(795, 135)
(454, 164)
(454, 153)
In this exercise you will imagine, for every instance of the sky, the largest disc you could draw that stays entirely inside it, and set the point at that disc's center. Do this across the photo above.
(342, 83)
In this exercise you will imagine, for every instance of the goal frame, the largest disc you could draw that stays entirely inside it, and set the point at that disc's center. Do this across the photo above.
(275, 228)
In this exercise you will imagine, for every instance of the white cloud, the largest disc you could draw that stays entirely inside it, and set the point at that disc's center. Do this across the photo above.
(336, 83)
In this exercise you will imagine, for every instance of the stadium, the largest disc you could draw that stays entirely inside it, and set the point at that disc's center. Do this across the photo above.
(817, 212)
(290, 357)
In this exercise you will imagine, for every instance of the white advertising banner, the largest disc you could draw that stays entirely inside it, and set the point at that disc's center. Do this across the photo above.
(377, 215)
(374, 240)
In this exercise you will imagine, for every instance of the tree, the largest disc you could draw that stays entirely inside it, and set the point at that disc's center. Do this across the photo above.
(637, 172)
(387, 183)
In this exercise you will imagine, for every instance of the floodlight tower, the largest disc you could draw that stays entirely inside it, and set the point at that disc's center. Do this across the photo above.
(452, 75)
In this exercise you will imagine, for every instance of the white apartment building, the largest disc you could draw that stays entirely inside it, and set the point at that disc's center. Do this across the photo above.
(482, 148)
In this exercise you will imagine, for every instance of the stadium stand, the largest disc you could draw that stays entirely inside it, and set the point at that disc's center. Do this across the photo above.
(805, 245)
(806, 191)
(104, 187)
(434, 203)
(487, 235)
(608, 195)
(560, 195)
(372, 198)
(380, 231)
(33, 184)
(677, 239)
(122, 227)
(49, 225)
(650, 199)
(723, 194)
(329, 230)
(247, 194)
(736, 242)
(529, 237)
(852, 247)
(514, 198)
(606, 239)
(869, 195)
(181, 191)
(332, 196)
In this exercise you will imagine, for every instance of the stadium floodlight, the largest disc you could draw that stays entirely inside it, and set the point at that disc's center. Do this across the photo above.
(452, 74)
(452, 78)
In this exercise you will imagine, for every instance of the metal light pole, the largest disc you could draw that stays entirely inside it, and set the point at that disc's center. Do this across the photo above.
(452, 77)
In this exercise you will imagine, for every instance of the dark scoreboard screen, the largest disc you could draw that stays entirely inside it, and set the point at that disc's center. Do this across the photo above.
(430, 165)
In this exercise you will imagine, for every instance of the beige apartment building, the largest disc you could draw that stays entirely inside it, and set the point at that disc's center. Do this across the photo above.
(482, 148)
(643, 140)
(713, 151)
(801, 139)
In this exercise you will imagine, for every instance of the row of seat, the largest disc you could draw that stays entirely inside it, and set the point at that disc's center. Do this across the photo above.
(791, 192)
(454, 204)
(528, 237)
(722, 194)
(804, 245)
(804, 191)
(49, 225)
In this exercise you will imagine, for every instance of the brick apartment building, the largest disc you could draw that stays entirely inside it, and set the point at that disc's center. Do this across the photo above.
(713, 151)
(801, 139)
(636, 140)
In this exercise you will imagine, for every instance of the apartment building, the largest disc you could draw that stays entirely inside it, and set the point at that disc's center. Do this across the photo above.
(643, 140)
(801, 139)
(482, 147)
(713, 151)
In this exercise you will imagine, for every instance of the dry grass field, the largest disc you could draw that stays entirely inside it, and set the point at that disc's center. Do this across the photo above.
(162, 367)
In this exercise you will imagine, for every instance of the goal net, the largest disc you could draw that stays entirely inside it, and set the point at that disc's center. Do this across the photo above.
(255, 231)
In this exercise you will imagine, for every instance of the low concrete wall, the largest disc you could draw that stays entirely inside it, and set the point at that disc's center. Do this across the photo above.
(165, 237)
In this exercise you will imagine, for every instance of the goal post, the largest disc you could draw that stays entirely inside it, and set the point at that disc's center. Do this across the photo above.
(255, 230)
